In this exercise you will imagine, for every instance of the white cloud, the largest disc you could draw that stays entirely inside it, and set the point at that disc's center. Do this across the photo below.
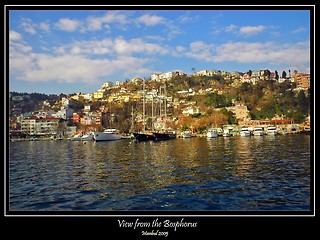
(27, 26)
(251, 30)
(68, 25)
(44, 26)
(112, 47)
(150, 20)
(300, 30)
(14, 36)
(256, 52)
(230, 28)
(77, 62)
(93, 23)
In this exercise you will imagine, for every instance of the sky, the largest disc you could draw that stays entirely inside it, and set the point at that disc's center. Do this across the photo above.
(57, 51)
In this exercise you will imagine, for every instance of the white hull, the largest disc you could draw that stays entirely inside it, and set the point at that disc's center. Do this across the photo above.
(256, 133)
(87, 137)
(75, 139)
(186, 134)
(272, 131)
(212, 133)
(102, 136)
(245, 134)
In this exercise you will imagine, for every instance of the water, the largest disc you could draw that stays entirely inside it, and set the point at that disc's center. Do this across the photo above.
(257, 173)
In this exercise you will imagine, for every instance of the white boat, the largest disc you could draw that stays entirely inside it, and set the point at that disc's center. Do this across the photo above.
(226, 132)
(272, 130)
(186, 134)
(212, 133)
(87, 137)
(244, 132)
(76, 137)
(110, 134)
(258, 131)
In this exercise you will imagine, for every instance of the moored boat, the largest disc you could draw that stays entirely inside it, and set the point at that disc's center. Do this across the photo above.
(212, 133)
(160, 136)
(141, 137)
(186, 134)
(244, 132)
(258, 131)
(110, 134)
(76, 137)
(87, 137)
(272, 130)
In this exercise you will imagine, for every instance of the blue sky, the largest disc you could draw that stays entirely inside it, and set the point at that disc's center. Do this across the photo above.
(64, 51)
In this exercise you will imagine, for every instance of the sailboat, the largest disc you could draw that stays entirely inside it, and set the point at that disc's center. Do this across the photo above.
(164, 134)
(143, 136)
(153, 135)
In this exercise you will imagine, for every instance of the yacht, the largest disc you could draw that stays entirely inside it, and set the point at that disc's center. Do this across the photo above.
(258, 131)
(110, 134)
(245, 132)
(212, 133)
(272, 130)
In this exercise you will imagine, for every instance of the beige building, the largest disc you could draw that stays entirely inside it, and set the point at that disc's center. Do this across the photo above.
(34, 125)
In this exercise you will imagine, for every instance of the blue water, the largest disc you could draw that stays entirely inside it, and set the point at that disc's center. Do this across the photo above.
(257, 173)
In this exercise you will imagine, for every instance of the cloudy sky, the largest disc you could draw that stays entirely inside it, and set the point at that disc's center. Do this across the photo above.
(68, 51)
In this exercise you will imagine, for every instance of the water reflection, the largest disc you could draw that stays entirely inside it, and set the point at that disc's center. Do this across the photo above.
(197, 173)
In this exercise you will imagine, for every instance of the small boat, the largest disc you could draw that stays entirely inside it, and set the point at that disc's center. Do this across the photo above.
(76, 137)
(244, 132)
(226, 132)
(186, 134)
(87, 137)
(258, 131)
(306, 129)
(272, 130)
(212, 133)
(109, 134)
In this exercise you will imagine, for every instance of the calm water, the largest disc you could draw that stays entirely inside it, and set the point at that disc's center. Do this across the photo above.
(226, 173)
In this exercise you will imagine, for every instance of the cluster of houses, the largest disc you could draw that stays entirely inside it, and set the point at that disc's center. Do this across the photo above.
(55, 122)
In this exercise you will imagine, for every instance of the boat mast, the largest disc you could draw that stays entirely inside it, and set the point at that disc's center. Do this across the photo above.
(165, 101)
(160, 102)
(110, 116)
(152, 116)
(132, 120)
(144, 108)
